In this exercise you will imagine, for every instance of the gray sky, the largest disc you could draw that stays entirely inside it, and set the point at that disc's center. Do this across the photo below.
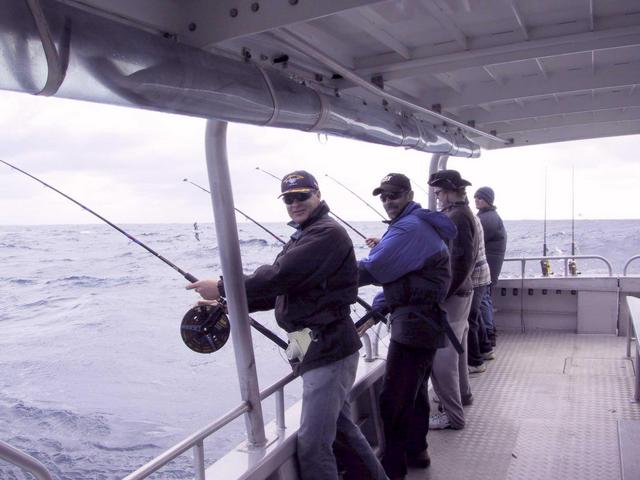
(128, 165)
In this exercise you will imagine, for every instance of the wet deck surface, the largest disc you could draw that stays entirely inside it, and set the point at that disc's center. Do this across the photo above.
(546, 408)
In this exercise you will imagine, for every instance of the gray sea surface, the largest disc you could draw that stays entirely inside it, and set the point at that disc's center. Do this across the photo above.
(95, 379)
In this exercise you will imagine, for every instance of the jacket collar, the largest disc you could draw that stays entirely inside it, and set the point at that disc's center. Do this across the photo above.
(320, 211)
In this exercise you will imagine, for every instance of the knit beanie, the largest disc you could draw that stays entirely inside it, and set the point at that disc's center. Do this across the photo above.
(486, 194)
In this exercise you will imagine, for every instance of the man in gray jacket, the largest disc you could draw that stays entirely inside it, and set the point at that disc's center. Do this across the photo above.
(495, 241)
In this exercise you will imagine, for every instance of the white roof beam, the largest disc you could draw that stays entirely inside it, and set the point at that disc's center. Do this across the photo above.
(330, 45)
(449, 81)
(227, 19)
(523, 87)
(440, 11)
(372, 23)
(542, 69)
(519, 19)
(559, 106)
(551, 47)
(577, 132)
(608, 116)
(493, 75)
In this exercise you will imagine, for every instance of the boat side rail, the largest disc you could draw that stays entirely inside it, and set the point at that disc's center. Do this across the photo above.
(634, 313)
(195, 441)
(629, 262)
(24, 461)
(564, 258)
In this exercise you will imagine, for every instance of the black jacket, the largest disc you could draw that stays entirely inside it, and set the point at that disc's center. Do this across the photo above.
(495, 240)
(312, 283)
(463, 249)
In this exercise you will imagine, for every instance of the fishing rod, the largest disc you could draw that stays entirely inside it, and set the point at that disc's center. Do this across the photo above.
(240, 212)
(356, 195)
(545, 264)
(331, 212)
(360, 301)
(573, 267)
(204, 329)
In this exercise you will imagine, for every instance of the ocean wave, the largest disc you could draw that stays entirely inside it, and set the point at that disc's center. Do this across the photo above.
(18, 281)
(254, 242)
(129, 448)
(88, 281)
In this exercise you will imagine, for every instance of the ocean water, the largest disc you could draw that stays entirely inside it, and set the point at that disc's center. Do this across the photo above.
(95, 380)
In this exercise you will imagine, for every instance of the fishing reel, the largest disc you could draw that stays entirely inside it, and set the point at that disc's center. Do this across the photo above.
(545, 266)
(205, 328)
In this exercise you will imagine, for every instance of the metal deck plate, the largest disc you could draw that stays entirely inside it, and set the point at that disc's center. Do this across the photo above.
(546, 408)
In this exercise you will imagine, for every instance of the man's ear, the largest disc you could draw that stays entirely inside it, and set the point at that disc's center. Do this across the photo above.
(410, 196)
(318, 194)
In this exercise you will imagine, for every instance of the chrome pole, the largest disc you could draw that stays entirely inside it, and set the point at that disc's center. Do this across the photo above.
(433, 168)
(228, 242)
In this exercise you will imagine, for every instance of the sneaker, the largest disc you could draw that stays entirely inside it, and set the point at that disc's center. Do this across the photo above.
(421, 460)
(490, 355)
(479, 369)
(439, 421)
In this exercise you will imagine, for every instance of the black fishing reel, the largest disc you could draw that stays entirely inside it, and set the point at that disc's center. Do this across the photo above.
(205, 329)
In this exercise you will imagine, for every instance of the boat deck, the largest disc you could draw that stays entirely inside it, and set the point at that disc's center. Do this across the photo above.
(547, 407)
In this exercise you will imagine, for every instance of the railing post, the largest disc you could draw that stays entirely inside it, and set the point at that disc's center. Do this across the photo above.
(198, 460)
(228, 242)
(433, 168)
(280, 409)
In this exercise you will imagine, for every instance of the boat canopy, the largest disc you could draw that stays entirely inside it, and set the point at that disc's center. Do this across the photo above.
(440, 76)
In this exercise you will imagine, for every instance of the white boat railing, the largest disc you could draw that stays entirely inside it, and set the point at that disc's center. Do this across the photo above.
(195, 441)
(565, 258)
(24, 461)
(629, 262)
(634, 315)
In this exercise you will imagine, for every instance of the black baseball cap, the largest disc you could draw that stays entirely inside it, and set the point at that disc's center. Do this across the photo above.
(298, 182)
(393, 182)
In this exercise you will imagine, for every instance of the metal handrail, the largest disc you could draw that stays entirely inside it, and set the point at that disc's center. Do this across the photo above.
(626, 265)
(195, 440)
(24, 461)
(565, 258)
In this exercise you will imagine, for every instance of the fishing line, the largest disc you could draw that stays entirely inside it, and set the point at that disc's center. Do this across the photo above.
(356, 195)
(204, 329)
(330, 212)
(240, 212)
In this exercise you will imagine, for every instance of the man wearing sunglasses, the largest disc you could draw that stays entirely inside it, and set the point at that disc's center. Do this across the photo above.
(411, 262)
(311, 285)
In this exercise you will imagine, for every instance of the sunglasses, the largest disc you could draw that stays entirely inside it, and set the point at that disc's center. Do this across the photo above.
(289, 198)
(391, 195)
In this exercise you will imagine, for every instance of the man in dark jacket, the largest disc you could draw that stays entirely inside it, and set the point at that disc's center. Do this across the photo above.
(495, 241)
(411, 262)
(450, 376)
(311, 285)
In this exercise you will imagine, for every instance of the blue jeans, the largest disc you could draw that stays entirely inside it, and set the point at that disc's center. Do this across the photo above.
(486, 311)
(326, 411)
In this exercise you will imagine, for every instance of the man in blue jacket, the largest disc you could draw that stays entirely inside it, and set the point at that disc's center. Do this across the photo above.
(411, 262)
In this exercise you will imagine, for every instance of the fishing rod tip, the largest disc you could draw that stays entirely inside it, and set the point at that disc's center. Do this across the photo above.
(185, 179)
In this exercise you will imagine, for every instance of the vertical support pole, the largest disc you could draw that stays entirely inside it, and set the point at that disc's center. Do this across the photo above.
(198, 460)
(433, 168)
(227, 234)
(280, 409)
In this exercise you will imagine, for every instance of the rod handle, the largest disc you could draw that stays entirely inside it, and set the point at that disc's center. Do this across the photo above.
(190, 277)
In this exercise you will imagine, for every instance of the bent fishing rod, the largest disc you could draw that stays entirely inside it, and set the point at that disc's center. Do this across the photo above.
(330, 212)
(194, 317)
(361, 302)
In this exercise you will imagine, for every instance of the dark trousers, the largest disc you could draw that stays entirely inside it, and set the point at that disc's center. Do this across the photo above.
(404, 405)
(477, 340)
